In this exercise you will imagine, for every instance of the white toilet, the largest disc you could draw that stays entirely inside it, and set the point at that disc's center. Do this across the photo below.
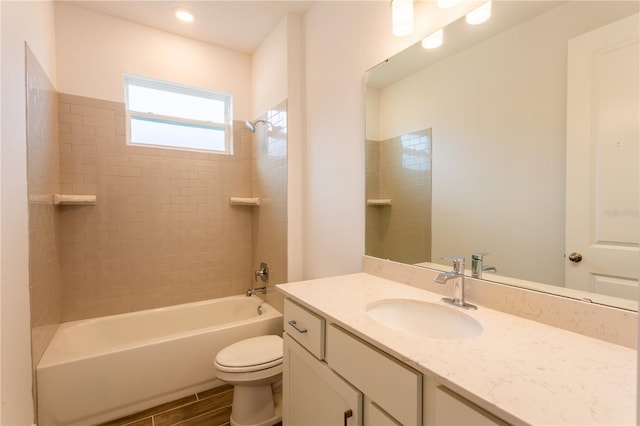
(254, 367)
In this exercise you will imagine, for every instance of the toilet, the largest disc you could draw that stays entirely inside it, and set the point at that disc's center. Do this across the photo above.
(254, 367)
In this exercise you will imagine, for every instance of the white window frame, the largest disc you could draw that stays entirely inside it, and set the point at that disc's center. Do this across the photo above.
(167, 86)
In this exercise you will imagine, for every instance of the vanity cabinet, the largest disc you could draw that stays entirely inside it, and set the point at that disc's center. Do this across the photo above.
(394, 388)
(332, 377)
(315, 395)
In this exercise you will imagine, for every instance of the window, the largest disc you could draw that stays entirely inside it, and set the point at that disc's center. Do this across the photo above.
(165, 114)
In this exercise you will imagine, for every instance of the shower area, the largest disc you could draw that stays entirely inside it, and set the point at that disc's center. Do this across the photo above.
(162, 230)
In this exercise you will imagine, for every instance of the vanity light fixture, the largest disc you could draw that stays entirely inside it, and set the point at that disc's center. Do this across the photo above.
(479, 15)
(183, 14)
(447, 4)
(433, 40)
(402, 17)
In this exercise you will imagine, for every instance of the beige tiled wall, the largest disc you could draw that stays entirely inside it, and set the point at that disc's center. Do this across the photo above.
(372, 185)
(400, 169)
(42, 177)
(269, 182)
(162, 231)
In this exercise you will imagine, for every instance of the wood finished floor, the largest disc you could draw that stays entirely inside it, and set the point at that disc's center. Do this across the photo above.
(208, 408)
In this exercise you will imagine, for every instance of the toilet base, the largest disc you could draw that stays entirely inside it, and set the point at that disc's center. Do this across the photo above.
(259, 406)
(270, 422)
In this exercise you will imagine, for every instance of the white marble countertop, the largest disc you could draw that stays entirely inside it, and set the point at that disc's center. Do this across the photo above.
(520, 370)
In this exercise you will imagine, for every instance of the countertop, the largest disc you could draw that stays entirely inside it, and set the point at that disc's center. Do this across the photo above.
(522, 371)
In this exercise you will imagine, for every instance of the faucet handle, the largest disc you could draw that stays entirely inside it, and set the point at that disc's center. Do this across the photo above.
(479, 256)
(458, 262)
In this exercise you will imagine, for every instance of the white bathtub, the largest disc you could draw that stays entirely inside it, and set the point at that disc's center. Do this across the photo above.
(100, 369)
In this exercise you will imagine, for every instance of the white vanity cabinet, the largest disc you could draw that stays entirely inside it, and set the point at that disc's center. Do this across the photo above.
(313, 393)
(332, 377)
(392, 388)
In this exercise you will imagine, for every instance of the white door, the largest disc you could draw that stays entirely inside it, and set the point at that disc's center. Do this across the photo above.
(603, 116)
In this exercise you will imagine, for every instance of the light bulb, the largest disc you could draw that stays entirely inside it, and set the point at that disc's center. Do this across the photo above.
(479, 15)
(433, 40)
(402, 17)
(447, 4)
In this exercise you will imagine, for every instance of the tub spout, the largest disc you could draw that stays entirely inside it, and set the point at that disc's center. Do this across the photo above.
(259, 290)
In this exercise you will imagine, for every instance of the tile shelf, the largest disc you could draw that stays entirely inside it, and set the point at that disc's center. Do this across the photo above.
(381, 202)
(244, 201)
(74, 200)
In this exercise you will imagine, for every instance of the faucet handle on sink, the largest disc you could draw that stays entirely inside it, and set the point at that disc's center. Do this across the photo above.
(458, 263)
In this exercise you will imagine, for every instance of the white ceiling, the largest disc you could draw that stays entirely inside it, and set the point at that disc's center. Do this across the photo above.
(235, 24)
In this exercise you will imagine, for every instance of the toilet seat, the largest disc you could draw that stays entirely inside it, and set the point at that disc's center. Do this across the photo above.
(254, 354)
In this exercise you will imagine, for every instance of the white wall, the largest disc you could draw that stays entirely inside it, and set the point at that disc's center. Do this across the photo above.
(95, 50)
(0, 223)
(269, 72)
(31, 22)
(342, 40)
(276, 70)
(295, 147)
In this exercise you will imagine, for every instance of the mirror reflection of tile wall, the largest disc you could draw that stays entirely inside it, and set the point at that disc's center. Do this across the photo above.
(399, 169)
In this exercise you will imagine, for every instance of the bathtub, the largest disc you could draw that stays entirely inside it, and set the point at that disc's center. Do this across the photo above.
(100, 369)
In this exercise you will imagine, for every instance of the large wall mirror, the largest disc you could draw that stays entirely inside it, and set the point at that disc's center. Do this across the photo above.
(517, 138)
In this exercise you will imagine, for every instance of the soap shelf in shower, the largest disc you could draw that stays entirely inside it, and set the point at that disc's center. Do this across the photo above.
(379, 202)
(244, 201)
(74, 200)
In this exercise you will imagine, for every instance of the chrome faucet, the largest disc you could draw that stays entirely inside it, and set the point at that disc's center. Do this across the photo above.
(259, 290)
(262, 273)
(477, 266)
(458, 284)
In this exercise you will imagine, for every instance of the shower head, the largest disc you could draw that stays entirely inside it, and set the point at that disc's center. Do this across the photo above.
(252, 125)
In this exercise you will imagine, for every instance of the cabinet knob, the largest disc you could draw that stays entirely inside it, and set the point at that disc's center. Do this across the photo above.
(347, 414)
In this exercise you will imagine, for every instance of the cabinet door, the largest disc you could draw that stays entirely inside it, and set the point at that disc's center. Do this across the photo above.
(376, 416)
(313, 394)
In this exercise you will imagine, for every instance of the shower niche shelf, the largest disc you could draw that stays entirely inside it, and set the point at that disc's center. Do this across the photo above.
(380, 202)
(74, 200)
(245, 201)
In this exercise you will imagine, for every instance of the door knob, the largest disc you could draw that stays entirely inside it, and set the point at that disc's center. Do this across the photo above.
(575, 257)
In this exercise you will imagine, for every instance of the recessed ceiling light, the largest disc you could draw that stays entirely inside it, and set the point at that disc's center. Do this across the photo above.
(183, 14)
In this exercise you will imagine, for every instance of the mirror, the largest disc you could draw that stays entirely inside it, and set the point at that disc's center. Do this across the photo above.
(497, 110)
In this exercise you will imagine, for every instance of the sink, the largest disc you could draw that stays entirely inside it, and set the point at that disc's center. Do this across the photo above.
(424, 319)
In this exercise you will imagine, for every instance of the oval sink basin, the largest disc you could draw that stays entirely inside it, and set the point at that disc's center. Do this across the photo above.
(424, 319)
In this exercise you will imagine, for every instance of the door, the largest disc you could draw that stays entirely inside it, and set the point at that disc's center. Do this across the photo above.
(315, 395)
(603, 117)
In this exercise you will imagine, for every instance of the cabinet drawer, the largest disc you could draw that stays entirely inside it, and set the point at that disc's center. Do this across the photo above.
(393, 386)
(305, 327)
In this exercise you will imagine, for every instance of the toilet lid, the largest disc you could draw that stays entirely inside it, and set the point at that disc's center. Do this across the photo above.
(256, 353)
